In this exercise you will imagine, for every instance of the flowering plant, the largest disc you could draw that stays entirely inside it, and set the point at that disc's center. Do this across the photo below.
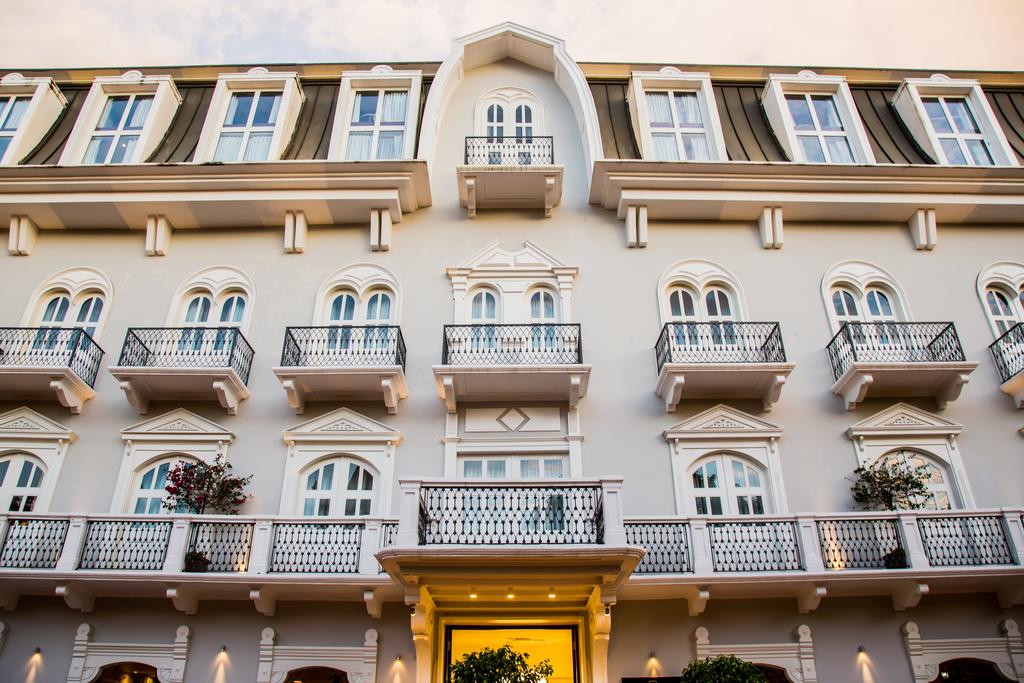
(200, 487)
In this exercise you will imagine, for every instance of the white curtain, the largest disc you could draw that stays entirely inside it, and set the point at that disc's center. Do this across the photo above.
(529, 469)
(395, 103)
(659, 109)
(390, 144)
(688, 110)
(228, 147)
(258, 148)
(696, 147)
(359, 146)
(665, 147)
(140, 110)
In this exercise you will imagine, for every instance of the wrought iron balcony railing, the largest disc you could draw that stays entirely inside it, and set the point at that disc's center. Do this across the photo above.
(527, 150)
(520, 514)
(540, 343)
(720, 342)
(343, 346)
(893, 342)
(187, 347)
(1008, 352)
(60, 347)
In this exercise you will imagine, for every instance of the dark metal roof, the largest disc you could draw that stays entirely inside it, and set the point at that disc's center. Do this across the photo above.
(312, 135)
(179, 144)
(744, 126)
(613, 118)
(48, 151)
(889, 139)
(1008, 106)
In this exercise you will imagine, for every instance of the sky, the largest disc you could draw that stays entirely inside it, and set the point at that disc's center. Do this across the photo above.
(929, 34)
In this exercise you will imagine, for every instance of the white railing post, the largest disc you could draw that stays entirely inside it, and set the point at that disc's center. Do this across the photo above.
(810, 545)
(409, 513)
(369, 547)
(262, 546)
(177, 543)
(611, 500)
(913, 544)
(74, 540)
(700, 546)
(4, 522)
(1014, 534)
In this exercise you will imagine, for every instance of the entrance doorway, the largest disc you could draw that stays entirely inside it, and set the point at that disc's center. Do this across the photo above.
(557, 644)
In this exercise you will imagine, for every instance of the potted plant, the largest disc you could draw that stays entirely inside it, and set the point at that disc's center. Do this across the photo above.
(504, 664)
(722, 669)
(200, 488)
(196, 561)
(895, 559)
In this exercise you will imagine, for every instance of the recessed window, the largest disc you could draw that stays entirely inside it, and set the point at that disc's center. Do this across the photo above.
(940, 493)
(958, 132)
(819, 129)
(340, 487)
(12, 111)
(248, 127)
(150, 490)
(21, 480)
(725, 484)
(677, 126)
(377, 126)
(118, 129)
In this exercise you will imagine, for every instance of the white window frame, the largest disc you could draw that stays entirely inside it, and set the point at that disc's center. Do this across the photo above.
(78, 284)
(166, 100)
(362, 280)
(773, 99)
(927, 654)
(219, 283)
(1008, 277)
(904, 427)
(727, 491)
(339, 493)
(46, 102)
(672, 79)
(909, 103)
(513, 465)
(277, 661)
(699, 276)
(176, 435)
(23, 430)
(795, 658)
(89, 657)
(257, 78)
(339, 433)
(380, 77)
(725, 429)
(859, 277)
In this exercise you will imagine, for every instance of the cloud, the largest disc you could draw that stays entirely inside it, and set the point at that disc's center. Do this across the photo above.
(875, 33)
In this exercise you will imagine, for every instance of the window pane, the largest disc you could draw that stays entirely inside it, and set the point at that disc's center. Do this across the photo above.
(238, 109)
(496, 469)
(758, 505)
(658, 109)
(393, 110)
(716, 505)
(695, 147)
(5, 142)
(389, 144)
(954, 155)
(828, 115)
(311, 480)
(753, 479)
(665, 147)
(124, 149)
(324, 507)
(350, 507)
(935, 114)
(800, 112)
(364, 507)
(3, 470)
(154, 505)
(358, 146)
(26, 472)
(15, 114)
(979, 152)
(553, 469)
(688, 110)
(367, 481)
(742, 505)
(113, 111)
(266, 109)
(228, 147)
(529, 469)
(712, 470)
(737, 474)
(364, 113)
(140, 506)
(258, 147)
(811, 147)
(308, 505)
(96, 152)
(702, 506)
(962, 116)
(839, 151)
(353, 477)
(147, 480)
(327, 477)
(698, 478)
(138, 113)
(472, 469)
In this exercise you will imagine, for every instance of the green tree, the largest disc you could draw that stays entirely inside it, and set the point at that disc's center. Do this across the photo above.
(503, 665)
(722, 669)
(890, 486)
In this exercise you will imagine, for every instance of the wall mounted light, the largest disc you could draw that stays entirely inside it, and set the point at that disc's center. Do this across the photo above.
(650, 655)
(551, 593)
(511, 594)
(860, 649)
(223, 648)
(398, 658)
(472, 593)
(37, 651)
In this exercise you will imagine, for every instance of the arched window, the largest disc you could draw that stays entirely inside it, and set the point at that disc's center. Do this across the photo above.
(879, 306)
(861, 292)
(61, 312)
(1002, 310)
(727, 484)
(150, 493)
(507, 119)
(700, 306)
(340, 487)
(542, 306)
(681, 306)
(21, 481)
(844, 303)
(495, 122)
(198, 310)
(940, 491)
(524, 121)
(483, 307)
(219, 296)
(378, 308)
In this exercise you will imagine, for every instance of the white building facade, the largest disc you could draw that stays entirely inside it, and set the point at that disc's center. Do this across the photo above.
(575, 357)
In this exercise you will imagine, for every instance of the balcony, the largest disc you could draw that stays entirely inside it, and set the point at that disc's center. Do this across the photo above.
(898, 359)
(510, 173)
(259, 559)
(184, 363)
(904, 555)
(551, 542)
(43, 363)
(541, 362)
(1008, 354)
(726, 360)
(343, 363)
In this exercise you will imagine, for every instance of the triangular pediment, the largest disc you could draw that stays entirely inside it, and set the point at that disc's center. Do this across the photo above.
(903, 418)
(179, 423)
(26, 423)
(342, 424)
(723, 421)
(496, 257)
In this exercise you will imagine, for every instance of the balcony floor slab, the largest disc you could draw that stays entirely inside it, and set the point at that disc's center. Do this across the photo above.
(45, 383)
(764, 381)
(510, 187)
(941, 381)
(142, 385)
(363, 383)
(527, 382)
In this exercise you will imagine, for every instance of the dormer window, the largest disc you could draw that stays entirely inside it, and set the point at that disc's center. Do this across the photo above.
(28, 109)
(248, 126)
(675, 116)
(377, 126)
(815, 119)
(117, 132)
(952, 122)
(12, 110)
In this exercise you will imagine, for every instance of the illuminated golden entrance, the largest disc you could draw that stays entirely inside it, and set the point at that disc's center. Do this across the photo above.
(557, 644)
